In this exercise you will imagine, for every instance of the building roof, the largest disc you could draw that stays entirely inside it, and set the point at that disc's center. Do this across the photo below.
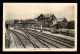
(33, 22)
(47, 15)
(60, 19)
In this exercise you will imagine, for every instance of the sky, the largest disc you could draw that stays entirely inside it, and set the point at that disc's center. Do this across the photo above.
(32, 10)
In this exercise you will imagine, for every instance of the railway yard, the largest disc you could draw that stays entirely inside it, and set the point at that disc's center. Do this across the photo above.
(28, 38)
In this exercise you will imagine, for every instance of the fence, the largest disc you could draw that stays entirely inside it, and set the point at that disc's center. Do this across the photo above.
(68, 32)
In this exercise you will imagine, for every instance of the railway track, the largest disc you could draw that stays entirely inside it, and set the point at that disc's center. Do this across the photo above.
(25, 41)
(35, 42)
(59, 38)
(38, 42)
(52, 42)
(18, 41)
(44, 44)
(64, 42)
(49, 41)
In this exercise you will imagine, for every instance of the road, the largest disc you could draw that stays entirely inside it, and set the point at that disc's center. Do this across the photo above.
(34, 39)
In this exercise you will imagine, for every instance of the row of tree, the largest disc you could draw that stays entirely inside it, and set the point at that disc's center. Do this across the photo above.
(68, 25)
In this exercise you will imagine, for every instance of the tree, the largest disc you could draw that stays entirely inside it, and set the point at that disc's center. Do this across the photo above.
(70, 25)
(60, 25)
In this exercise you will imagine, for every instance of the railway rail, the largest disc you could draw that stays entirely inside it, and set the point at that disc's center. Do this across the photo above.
(58, 38)
(24, 40)
(43, 40)
(35, 43)
(61, 41)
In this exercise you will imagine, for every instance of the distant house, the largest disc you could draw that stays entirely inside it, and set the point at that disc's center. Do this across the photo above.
(62, 22)
(47, 19)
(59, 20)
